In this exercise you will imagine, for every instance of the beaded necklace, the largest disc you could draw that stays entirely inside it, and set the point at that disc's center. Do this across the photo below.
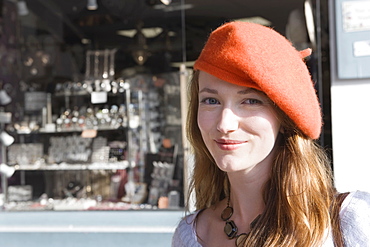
(230, 229)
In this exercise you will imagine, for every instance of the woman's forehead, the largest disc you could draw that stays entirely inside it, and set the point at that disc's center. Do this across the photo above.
(209, 83)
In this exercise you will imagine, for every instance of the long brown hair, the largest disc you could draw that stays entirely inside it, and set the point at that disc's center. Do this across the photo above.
(297, 196)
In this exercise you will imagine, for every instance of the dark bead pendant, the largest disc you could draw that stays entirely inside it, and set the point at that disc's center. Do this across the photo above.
(230, 229)
(227, 213)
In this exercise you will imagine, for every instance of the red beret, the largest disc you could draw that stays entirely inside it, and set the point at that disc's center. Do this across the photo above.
(256, 56)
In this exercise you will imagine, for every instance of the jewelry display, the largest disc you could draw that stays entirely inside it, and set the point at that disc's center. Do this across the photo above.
(92, 118)
(230, 229)
(69, 149)
(134, 109)
(25, 153)
(100, 150)
(161, 180)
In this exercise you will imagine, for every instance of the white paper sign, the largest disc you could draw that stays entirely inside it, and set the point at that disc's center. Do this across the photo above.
(361, 48)
(356, 16)
(99, 97)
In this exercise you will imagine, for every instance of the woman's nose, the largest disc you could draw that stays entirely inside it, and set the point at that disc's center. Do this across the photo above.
(228, 121)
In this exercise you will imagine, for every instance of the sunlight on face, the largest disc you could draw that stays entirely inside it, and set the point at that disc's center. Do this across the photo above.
(238, 124)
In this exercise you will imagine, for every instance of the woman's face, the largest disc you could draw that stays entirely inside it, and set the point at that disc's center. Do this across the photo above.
(238, 124)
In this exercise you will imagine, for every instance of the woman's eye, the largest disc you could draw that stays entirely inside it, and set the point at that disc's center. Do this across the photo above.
(253, 101)
(210, 101)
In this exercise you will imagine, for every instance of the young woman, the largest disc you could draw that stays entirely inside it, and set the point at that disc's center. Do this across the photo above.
(260, 178)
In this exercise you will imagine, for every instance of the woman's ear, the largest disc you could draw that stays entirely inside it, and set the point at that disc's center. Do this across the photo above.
(282, 130)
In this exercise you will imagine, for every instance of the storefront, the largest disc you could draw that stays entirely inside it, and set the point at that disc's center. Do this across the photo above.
(88, 123)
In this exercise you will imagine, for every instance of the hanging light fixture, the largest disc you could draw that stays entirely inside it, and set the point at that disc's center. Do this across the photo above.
(92, 5)
(155, 2)
(22, 8)
(140, 56)
(166, 2)
(140, 51)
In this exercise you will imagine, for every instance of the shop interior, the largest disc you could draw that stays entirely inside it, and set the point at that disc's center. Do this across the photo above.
(90, 97)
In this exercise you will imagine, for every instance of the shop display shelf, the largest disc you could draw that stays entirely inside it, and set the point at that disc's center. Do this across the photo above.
(70, 130)
(120, 165)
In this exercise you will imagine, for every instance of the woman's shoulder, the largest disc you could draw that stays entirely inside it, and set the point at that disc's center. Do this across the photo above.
(355, 219)
(185, 234)
(356, 202)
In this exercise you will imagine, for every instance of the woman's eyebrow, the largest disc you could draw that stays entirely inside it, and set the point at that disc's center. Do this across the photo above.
(208, 90)
(245, 91)
(249, 90)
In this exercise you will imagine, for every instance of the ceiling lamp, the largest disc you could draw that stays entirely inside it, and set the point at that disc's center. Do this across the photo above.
(166, 2)
(22, 8)
(168, 5)
(92, 5)
(140, 51)
(140, 56)
(256, 19)
(154, 2)
(172, 7)
(149, 32)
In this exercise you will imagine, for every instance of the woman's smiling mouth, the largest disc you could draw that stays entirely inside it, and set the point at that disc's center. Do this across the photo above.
(228, 145)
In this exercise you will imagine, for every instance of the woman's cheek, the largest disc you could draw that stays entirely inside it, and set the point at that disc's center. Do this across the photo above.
(205, 120)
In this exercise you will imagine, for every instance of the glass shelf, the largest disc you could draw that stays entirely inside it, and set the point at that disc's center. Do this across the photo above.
(81, 129)
(120, 165)
(45, 131)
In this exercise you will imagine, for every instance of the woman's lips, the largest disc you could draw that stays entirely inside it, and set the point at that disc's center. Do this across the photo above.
(229, 144)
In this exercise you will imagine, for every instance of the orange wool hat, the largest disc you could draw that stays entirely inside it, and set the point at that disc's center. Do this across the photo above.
(256, 56)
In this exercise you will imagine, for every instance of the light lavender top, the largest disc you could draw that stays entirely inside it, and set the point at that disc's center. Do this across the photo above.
(354, 215)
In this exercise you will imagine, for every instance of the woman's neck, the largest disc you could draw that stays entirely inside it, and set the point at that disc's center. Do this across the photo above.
(247, 195)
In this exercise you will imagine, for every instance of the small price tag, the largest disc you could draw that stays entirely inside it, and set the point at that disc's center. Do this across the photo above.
(89, 133)
(99, 97)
